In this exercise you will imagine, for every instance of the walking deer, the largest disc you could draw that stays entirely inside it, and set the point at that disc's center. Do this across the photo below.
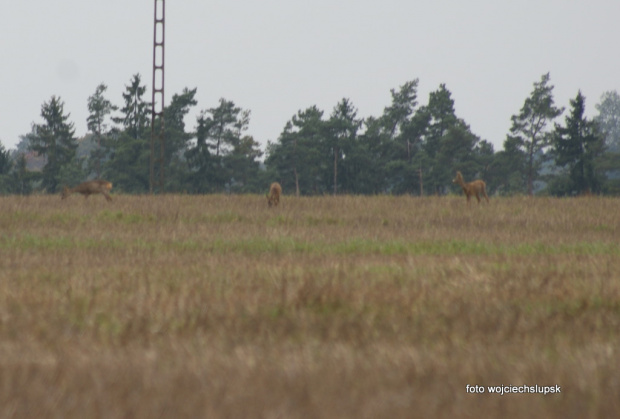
(273, 197)
(89, 188)
(477, 187)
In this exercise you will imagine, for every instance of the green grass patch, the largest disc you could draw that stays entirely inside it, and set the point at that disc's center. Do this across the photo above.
(124, 218)
(260, 245)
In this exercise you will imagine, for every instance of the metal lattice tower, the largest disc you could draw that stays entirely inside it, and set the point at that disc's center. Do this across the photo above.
(157, 103)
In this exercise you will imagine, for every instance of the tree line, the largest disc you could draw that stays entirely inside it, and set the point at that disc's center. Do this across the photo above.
(411, 148)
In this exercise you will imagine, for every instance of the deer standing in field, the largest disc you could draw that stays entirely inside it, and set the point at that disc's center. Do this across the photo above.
(477, 187)
(273, 197)
(89, 188)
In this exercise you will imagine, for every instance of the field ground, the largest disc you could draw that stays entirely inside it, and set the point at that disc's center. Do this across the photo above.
(327, 307)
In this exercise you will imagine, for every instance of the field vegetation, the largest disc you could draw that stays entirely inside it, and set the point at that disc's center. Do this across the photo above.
(217, 306)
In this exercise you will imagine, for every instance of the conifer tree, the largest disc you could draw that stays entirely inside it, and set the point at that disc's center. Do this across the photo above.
(99, 108)
(128, 148)
(55, 140)
(577, 144)
(530, 127)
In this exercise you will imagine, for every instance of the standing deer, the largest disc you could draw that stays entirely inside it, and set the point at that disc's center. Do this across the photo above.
(89, 188)
(273, 197)
(477, 187)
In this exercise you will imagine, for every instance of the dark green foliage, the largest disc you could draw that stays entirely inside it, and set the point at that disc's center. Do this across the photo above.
(177, 139)
(128, 166)
(223, 158)
(441, 117)
(225, 126)
(402, 128)
(55, 140)
(449, 145)
(241, 166)
(408, 149)
(73, 172)
(99, 109)
(5, 160)
(300, 159)
(342, 129)
(128, 149)
(136, 111)
(203, 165)
(18, 180)
(366, 162)
(529, 131)
(175, 133)
(577, 145)
(5, 168)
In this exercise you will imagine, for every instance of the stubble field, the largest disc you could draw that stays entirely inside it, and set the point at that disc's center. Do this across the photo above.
(326, 307)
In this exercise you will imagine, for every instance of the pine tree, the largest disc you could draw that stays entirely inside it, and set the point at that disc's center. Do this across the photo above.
(135, 119)
(449, 144)
(298, 158)
(99, 108)
(403, 126)
(55, 140)
(441, 118)
(577, 145)
(220, 132)
(242, 166)
(177, 138)
(5, 167)
(129, 148)
(203, 166)
(343, 126)
(529, 127)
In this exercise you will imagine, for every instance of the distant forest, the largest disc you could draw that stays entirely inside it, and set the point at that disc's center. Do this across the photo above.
(411, 148)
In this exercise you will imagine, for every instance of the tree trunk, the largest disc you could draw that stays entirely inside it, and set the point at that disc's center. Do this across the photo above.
(98, 163)
(530, 175)
(421, 184)
(335, 170)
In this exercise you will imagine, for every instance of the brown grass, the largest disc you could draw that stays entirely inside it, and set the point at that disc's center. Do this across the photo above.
(334, 307)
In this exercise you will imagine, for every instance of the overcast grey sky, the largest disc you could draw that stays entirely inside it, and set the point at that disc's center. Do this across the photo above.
(275, 57)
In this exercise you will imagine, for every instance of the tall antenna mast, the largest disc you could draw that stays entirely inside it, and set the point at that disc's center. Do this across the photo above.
(157, 103)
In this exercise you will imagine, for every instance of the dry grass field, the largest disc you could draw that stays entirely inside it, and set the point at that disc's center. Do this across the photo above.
(329, 307)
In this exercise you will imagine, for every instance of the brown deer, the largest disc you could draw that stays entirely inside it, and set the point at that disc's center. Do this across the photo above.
(89, 188)
(477, 187)
(273, 197)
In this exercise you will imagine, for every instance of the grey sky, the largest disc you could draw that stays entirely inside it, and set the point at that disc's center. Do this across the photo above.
(275, 57)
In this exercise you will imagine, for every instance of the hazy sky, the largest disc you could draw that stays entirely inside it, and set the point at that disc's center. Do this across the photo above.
(275, 57)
